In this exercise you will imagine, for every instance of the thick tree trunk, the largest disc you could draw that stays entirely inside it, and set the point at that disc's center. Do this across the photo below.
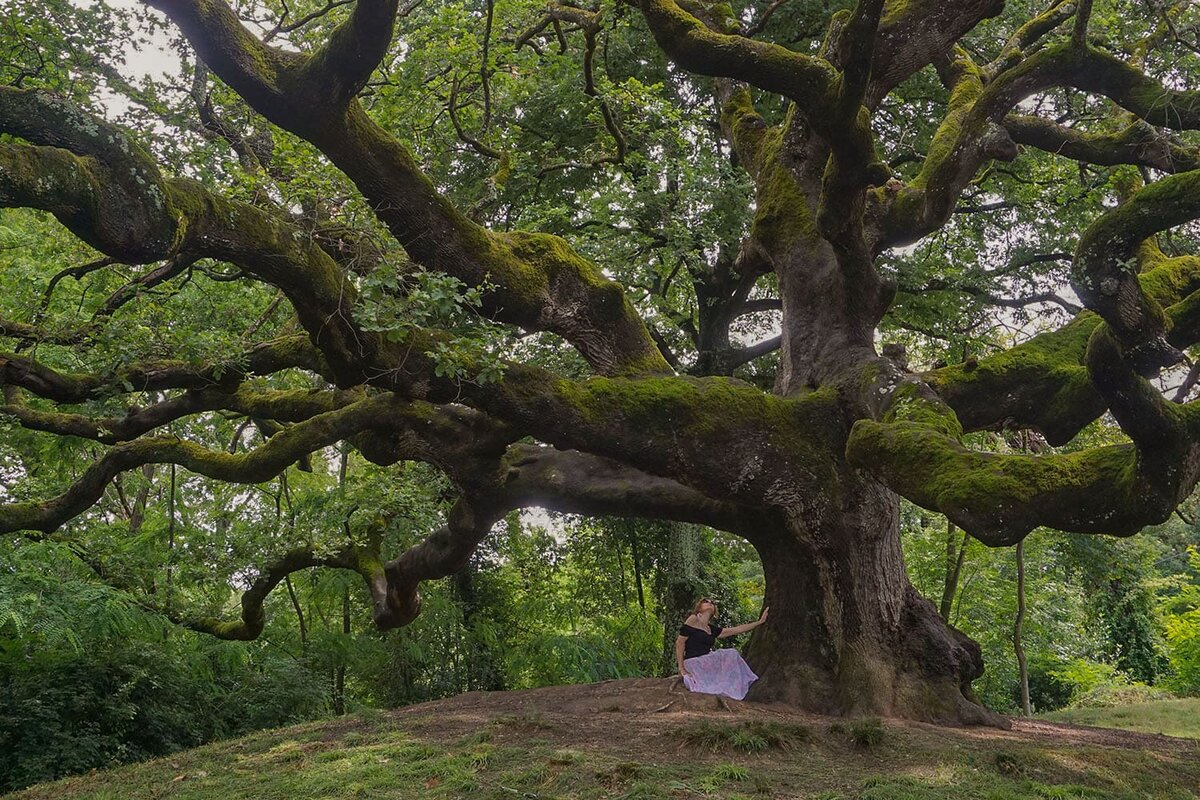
(848, 634)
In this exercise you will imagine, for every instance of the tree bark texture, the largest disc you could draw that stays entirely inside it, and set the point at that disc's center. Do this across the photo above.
(848, 633)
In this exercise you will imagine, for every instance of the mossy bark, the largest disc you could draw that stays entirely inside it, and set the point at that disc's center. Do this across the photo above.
(848, 634)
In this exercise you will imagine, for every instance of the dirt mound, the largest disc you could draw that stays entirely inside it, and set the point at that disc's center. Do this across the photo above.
(633, 695)
(622, 714)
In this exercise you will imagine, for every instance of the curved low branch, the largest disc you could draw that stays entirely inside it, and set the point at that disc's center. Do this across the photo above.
(363, 560)
(254, 466)
(999, 499)
(1043, 383)
(539, 476)
(1105, 274)
(253, 618)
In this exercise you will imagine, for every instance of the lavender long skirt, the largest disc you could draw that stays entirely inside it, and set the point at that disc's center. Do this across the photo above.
(720, 672)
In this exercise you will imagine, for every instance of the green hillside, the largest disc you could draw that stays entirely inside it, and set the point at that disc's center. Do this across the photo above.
(639, 739)
(1170, 717)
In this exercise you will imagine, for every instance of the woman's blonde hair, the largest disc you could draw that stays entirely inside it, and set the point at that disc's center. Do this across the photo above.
(702, 601)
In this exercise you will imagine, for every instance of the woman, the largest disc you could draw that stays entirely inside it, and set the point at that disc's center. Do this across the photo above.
(712, 671)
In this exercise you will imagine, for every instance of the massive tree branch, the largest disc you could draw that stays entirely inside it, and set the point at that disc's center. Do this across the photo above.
(535, 281)
(1043, 383)
(915, 33)
(1106, 264)
(999, 499)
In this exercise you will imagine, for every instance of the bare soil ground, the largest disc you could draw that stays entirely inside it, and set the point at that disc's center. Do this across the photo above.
(621, 714)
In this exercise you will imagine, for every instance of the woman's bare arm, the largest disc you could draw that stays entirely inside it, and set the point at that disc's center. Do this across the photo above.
(736, 629)
(679, 642)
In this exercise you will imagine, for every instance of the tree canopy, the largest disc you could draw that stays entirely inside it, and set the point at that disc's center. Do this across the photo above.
(763, 267)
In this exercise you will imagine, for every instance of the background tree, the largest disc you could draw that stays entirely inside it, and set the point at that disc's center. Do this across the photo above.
(662, 240)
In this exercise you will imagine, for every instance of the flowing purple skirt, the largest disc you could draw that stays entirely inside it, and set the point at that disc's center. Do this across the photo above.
(720, 672)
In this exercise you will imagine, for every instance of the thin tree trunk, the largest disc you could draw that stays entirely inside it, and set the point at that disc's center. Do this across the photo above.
(621, 565)
(1017, 630)
(637, 569)
(339, 673)
(339, 677)
(287, 581)
(170, 538)
(954, 564)
(678, 584)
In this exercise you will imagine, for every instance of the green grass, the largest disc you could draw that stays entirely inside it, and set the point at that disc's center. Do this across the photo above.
(867, 732)
(748, 737)
(1172, 717)
(630, 757)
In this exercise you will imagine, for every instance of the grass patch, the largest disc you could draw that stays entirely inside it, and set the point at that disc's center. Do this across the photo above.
(867, 732)
(1173, 717)
(746, 737)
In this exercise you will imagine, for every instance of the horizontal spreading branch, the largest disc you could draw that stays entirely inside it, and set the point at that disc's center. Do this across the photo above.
(254, 466)
(280, 406)
(999, 498)
(720, 436)
(1138, 143)
(149, 376)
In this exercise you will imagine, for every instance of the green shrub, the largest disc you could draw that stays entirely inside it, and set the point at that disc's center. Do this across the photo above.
(89, 680)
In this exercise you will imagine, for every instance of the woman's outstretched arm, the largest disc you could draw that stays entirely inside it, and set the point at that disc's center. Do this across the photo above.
(736, 629)
(679, 642)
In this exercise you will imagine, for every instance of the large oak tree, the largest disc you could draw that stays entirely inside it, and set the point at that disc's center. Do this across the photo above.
(714, 166)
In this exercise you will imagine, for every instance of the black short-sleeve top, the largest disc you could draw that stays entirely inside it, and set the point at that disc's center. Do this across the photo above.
(699, 641)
